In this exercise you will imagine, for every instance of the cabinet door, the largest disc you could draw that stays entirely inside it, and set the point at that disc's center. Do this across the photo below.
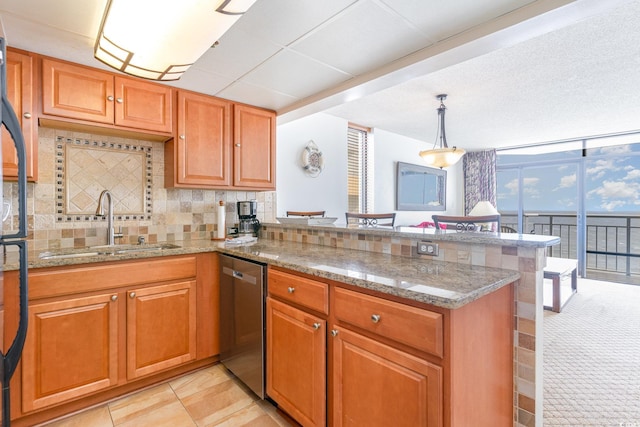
(20, 94)
(161, 327)
(202, 148)
(70, 351)
(143, 105)
(77, 92)
(296, 362)
(377, 385)
(254, 148)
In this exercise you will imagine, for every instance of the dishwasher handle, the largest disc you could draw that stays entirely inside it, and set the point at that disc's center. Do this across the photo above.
(239, 275)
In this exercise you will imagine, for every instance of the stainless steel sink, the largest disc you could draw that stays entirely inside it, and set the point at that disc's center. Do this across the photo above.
(105, 250)
(55, 255)
(145, 248)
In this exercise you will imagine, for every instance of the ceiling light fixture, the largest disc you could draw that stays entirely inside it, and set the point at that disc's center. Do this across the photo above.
(161, 39)
(443, 156)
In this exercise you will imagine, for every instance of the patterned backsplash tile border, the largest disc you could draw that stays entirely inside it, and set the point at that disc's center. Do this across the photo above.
(63, 145)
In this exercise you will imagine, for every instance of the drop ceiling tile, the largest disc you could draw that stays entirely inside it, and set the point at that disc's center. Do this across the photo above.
(199, 80)
(79, 17)
(283, 21)
(255, 95)
(365, 37)
(295, 75)
(225, 60)
(439, 20)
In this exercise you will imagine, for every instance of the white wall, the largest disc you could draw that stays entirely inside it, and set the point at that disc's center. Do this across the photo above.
(296, 191)
(328, 191)
(391, 148)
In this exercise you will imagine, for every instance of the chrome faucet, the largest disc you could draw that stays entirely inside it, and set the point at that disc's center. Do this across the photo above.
(100, 211)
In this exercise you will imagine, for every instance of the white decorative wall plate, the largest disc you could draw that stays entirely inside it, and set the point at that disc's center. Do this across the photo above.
(312, 161)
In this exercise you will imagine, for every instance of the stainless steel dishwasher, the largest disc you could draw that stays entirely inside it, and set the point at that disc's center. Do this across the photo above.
(242, 326)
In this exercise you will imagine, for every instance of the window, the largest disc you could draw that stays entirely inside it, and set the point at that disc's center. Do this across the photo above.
(359, 169)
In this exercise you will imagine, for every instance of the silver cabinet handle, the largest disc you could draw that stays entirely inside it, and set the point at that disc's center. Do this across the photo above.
(181, 136)
(119, 100)
(316, 326)
(27, 115)
(237, 145)
(375, 318)
(334, 332)
(114, 297)
(110, 98)
(291, 289)
(132, 295)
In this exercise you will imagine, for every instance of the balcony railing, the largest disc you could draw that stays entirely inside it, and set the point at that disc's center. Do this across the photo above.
(613, 241)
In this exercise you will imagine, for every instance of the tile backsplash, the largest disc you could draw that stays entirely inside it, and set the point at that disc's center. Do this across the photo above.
(61, 205)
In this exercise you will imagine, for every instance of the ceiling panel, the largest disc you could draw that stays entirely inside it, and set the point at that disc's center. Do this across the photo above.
(283, 21)
(225, 60)
(79, 17)
(441, 19)
(255, 95)
(365, 37)
(295, 75)
(577, 77)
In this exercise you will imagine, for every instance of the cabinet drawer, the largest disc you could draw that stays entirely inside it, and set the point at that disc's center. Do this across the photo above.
(418, 328)
(300, 290)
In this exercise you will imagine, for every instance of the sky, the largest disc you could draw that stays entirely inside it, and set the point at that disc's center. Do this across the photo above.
(612, 181)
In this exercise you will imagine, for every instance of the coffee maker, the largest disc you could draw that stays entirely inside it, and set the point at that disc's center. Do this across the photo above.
(248, 224)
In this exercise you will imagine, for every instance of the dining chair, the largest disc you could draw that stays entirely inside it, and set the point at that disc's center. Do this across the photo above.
(507, 229)
(370, 219)
(306, 213)
(465, 223)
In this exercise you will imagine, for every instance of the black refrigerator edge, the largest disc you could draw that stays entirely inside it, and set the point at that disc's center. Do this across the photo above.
(13, 240)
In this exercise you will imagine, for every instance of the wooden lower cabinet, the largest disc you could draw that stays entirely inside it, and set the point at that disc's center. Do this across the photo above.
(296, 362)
(161, 327)
(71, 350)
(389, 362)
(377, 385)
(97, 331)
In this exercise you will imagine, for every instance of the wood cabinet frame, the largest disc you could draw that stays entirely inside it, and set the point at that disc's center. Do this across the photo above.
(60, 291)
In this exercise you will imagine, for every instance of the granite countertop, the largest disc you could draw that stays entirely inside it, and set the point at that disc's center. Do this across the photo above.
(488, 238)
(443, 284)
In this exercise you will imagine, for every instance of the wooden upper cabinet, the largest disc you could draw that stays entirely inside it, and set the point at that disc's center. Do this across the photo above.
(20, 92)
(77, 92)
(83, 93)
(254, 150)
(200, 154)
(143, 105)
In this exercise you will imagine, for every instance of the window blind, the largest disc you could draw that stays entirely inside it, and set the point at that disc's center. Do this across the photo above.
(359, 173)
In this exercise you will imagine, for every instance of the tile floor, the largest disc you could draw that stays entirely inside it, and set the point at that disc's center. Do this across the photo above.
(208, 397)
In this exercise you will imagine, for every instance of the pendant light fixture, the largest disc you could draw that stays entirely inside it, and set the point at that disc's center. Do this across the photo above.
(443, 156)
(161, 39)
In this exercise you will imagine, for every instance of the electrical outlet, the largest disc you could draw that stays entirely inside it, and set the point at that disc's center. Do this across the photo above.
(428, 248)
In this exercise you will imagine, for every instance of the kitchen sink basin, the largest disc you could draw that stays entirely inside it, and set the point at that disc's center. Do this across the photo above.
(105, 250)
(55, 255)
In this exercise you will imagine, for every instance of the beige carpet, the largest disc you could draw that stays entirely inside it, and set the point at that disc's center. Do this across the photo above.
(592, 358)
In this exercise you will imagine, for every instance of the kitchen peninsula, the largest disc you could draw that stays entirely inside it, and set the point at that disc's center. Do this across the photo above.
(384, 273)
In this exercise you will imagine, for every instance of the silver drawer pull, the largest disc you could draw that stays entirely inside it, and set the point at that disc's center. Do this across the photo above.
(290, 289)
(132, 295)
(334, 332)
(375, 318)
(114, 297)
(316, 326)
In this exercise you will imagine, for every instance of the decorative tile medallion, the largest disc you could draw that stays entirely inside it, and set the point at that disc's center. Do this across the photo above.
(85, 168)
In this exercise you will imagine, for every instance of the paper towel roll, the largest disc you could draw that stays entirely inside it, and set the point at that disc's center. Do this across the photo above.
(220, 234)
